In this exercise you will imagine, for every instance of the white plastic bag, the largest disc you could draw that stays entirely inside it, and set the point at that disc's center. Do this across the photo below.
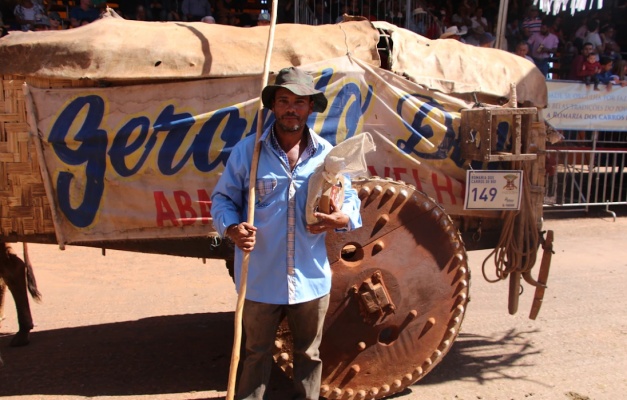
(346, 159)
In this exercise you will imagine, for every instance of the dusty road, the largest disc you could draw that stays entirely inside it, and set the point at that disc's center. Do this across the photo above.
(135, 326)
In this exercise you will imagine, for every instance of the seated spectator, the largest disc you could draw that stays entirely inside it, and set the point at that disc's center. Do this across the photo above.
(141, 14)
(605, 75)
(487, 40)
(263, 19)
(83, 14)
(479, 20)
(27, 12)
(417, 22)
(594, 37)
(480, 38)
(576, 70)
(56, 23)
(453, 32)
(195, 10)
(620, 70)
(41, 24)
(590, 70)
(610, 47)
(522, 50)
(462, 17)
(513, 34)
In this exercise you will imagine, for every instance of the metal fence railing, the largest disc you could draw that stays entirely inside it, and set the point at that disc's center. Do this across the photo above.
(578, 178)
(410, 14)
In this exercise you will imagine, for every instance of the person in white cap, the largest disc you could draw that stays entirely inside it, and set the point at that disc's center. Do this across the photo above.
(289, 272)
(453, 32)
(417, 22)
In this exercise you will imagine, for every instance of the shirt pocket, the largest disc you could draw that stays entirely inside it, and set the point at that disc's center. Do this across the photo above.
(263, 190)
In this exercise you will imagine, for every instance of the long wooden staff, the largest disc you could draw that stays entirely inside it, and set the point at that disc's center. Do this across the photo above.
(237, 339)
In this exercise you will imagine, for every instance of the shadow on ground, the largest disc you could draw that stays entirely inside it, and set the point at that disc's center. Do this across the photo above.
(480, 359)
(191, 353)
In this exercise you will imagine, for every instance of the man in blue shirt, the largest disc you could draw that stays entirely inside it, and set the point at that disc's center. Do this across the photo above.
(289, 273)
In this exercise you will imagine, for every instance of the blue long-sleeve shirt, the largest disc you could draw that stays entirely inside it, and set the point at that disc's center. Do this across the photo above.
(288, 265)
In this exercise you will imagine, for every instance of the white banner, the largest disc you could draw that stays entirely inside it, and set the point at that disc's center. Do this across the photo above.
(139, 162)
(576, 106)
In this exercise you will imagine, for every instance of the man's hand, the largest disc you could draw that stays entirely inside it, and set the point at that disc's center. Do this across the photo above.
(329, 222)
(244, 235)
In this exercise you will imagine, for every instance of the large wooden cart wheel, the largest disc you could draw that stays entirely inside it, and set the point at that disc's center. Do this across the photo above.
(400, 289)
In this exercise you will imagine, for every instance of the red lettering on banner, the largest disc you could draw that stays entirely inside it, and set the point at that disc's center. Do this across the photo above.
(164, 210)
(184, 203)
(447, 187)
(399, 174)
(416, 176)
(204, 201)
(186, 206)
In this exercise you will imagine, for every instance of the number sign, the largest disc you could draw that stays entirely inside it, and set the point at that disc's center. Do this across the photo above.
(493, 190)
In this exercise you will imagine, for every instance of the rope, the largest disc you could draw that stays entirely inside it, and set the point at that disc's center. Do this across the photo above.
(516, 254)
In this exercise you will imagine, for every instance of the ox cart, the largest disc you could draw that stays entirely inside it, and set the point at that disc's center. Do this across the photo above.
(114, 143)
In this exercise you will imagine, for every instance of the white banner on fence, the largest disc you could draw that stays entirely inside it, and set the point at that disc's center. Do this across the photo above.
(576, 106)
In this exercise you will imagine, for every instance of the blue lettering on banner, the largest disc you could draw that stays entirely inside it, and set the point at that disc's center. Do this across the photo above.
(91, 152)
(419, 129)
(132, 144)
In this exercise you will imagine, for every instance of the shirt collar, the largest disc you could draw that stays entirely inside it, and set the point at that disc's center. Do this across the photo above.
(312, 143)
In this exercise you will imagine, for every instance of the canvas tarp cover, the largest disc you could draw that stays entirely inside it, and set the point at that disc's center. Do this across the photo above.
(113, 49)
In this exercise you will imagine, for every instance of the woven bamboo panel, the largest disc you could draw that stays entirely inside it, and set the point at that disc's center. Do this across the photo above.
(24, 206)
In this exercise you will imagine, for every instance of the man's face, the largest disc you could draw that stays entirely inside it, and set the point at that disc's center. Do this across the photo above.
(587, 49)
(544, 30)
(291, 111)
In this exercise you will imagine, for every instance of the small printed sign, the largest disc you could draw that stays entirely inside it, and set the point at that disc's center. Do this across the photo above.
(493, 190)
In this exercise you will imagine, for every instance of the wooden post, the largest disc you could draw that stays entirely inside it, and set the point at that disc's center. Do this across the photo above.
(237, 339)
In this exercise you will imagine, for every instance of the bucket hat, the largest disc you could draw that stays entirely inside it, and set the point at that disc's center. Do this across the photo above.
(298, 82)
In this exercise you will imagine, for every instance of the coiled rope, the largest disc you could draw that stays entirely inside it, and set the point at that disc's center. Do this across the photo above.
(518, 244)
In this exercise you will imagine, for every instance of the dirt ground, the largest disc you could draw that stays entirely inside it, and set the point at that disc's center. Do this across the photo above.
(138, 326)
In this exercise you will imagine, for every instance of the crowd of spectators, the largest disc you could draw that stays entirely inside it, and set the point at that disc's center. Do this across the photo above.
(559, 45)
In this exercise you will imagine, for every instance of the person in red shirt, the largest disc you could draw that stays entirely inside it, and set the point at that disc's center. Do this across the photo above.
(589, 70)
(576, 70)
